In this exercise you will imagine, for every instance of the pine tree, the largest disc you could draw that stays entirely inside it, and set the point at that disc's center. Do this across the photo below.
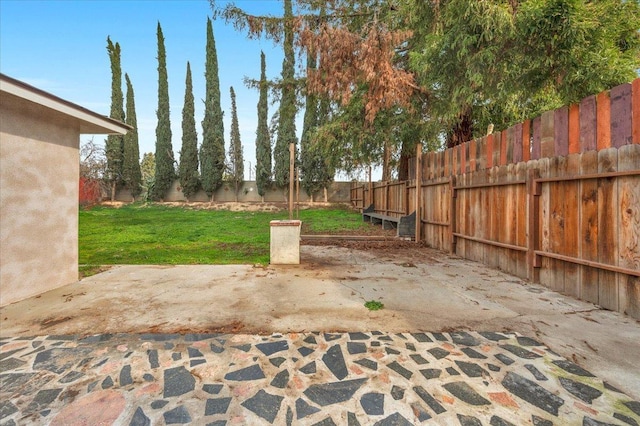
(235, 147)
(131, 173)
(189, 180)
(287, 113)
(212, 156)
(115, 143)
(263, 141)
(165, 171)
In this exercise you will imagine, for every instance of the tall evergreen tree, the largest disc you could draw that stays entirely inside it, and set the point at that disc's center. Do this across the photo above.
(131, 173)
(308, 155)
(263, 141)
(235, 147)
(165, 171)
(189, 180)
(287, 113)
(212, 150)
(115, 143)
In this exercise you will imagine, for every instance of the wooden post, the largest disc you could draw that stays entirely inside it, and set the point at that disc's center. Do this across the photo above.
(418, 195)
(534, 191)
(371, 199)
(292, 148)
(298, 193)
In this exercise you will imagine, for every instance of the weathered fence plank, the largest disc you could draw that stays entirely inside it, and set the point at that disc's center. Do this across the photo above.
(571, 223)
(621, 115)
(629, 229)
(608, 214)
(589, 227)
(574, 129)
(588, 126)
(635, 120)
(603, 121)
(561, 131)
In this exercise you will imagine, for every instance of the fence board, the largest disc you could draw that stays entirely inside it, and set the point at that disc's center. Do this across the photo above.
(629, 229)
(603, 121)
(558, 167)
(635, 120)
(571, 222)
(526, 140)
(588, 124)
(521, 220)
(503, 147)
(545, 218)
(547, 148)
(517, 143)
(561, 131)
(621, 115)
(510, 223)
(608, 214)
(574, 129)
(536, 149)
(589, 227)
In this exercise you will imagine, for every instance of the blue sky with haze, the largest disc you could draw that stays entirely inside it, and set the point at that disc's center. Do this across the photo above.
(60, 47)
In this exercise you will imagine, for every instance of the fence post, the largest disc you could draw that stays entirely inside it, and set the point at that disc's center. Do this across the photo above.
(371, 193)
(534, 191)
(418, 195)
(452, 214)
(386, 197)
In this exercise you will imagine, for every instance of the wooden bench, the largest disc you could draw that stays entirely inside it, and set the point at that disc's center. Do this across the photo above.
(405, 225)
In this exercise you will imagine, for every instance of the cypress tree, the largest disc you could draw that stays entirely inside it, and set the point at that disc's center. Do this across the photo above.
(286, 126)
(212, 150)
(165, 171)
(115, 143)
(235, 147)
(263, 141)
(131, 151)
(189, 153)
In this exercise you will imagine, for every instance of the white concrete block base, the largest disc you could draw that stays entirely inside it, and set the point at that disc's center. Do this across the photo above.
(285, 242)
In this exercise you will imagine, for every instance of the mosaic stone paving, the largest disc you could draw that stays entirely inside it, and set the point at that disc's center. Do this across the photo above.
(372, 378)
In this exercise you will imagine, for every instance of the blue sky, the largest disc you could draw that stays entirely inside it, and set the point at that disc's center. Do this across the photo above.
(60, 47)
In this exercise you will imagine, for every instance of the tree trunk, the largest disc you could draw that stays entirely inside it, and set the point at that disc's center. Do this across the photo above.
(403, 166)
(113, 191)
(386, 163)
(462, 131)
(326, 196)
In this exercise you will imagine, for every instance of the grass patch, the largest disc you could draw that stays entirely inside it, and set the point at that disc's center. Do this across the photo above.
(139, 234)
(373, 305)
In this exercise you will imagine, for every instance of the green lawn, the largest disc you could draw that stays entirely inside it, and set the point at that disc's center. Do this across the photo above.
(153, 234)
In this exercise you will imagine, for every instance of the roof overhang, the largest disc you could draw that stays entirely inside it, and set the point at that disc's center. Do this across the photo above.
(90, 122)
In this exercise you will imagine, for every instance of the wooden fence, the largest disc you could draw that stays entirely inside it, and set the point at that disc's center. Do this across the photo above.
(559, 205)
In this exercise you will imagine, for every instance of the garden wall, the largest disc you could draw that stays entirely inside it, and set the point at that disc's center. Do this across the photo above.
(555, 199)
(338, 192)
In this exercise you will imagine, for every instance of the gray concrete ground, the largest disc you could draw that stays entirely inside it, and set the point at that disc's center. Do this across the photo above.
(422, 290)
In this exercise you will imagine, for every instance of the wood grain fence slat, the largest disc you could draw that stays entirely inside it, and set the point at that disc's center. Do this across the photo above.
(536, 149)
(589, 227)
(561, 131)
(574, 129)
(635, 120)
(621, 115)
(603, 121)
(571, 224)
(588, 126)
(629, 229)
(526, 140)
(547, 148)
(608, 214)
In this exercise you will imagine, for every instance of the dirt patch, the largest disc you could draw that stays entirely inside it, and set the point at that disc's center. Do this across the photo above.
(50, 322)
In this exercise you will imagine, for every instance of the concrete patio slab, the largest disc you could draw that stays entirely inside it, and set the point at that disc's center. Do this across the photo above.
(422, 290)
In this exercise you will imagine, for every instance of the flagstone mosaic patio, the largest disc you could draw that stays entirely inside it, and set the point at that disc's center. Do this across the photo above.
(375, 378)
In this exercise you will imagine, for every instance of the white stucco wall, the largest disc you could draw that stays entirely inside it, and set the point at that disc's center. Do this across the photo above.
(39, 170)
